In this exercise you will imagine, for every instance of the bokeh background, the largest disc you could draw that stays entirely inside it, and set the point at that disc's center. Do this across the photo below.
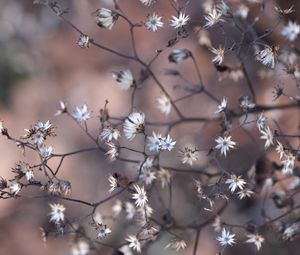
(41, 64)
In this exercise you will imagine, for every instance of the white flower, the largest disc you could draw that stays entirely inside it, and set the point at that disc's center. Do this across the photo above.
(246, 103)
(147, 2)
(83, 41)
(178, 55)
(154, 22)
(81, 114)
(40, 126)
(218, 59)
(45, 152)
(103, 231)
(235, 182)
(63, 109)
(140, 196)
(188, 155)
(167, 143)
(113, 183)
(213, 17)
(109, 133)
(106, 18)
(256, 239)
(147, 176)
(15, 188)
(179, 21)
(38, 138)
(226, 238)
(267, 56)
(124, 79)
(164, 104)
(260, 122)
(222, 7)
(154, 143)
(266, 134)
(288, 164)
(57, 213)
(224, 144)
(134, 243)
(245, 193)
(222, 106)
(291, 31)
(290, 231)
(164, 176)
(29, 175)
(176, 244)
(134, 124)
(113, 151)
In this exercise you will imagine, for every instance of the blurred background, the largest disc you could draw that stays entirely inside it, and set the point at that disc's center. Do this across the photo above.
(41, 64)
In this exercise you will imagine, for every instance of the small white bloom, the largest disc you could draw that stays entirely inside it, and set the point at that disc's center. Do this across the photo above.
(147, 2)
(245, 193)
(167, 143)
(140, 196)
(213, 17)
(222, 106)
(176, 244)
(45, 152)
(81, 114)
(103, 231)
(226, 238)
(266, 134)
(113, 151)
(218, 59)
(63, 109)
(188, 155)
(109, 133)
(40, 126)
(106, 18)
(113, 183)
(83, 41)
(256, 239)
(267, 56)
(224, 144)
(154, 22)
(134, 124)
(179, 21)
(260, 122)
(288, 164)
(164, 104)
(178, 55)
(222, 7)
(154, 143)
(291, 31)
(246, 103)
(235, 182)
(147, 176)
(134, 243)
(15, 188)
(164, 176)
(29, 175)
(290, 231)
(124, 79)
(57, 213)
